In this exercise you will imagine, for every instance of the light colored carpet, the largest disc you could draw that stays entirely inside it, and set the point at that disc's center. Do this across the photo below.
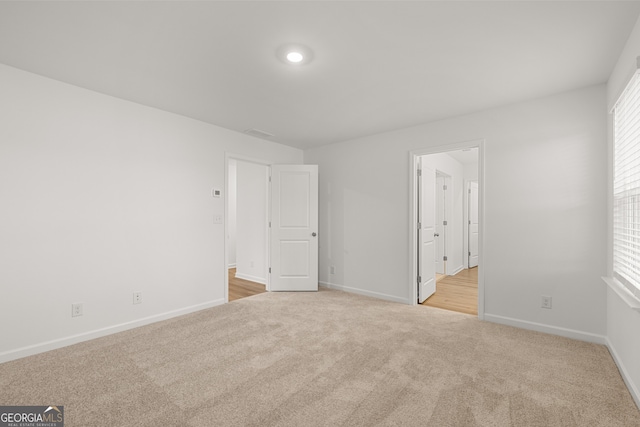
(325, 359)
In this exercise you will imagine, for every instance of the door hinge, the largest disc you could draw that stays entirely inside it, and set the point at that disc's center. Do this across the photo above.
(419, 279)
(269, 224)
(444, 222)
(419, 226)
(419, 172)
(469, 191)
(269, 270)
(444, 258)
(444, 187)
(469, 253)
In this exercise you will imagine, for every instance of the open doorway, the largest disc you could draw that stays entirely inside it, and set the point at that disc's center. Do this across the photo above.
(247, 228)
(456, 228)
(271, 228)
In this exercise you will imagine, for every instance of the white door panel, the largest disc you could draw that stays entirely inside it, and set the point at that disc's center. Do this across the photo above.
(427, 250)
(294, 228)
(439, 230)
(294, 258)
(294, 195)
(473, 224)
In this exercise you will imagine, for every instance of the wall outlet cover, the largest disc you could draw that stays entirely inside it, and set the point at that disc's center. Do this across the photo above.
(76, 310)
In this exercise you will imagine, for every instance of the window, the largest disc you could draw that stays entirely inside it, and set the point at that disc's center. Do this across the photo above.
(626, 187)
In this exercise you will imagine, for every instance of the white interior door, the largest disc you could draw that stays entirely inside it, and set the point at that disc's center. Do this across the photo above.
(294, 228)
(441, 216)
(426, 251)
(473, 224)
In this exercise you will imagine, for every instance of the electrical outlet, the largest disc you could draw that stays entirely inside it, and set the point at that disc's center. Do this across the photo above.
(137, 297)
(76, 310)
(217, 219)
(332, 269)
(546, 301)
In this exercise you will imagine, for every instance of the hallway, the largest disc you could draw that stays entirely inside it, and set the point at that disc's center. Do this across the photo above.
(240, 288)
(457, 293)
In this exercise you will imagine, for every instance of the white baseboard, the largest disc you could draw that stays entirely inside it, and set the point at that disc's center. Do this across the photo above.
(251, 278)
(364, 292)
(457, 270)
(548, 329)
(232, 266)
(98, 333)
(633, 388)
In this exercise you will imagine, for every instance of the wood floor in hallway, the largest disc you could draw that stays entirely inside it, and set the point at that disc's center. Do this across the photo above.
(457, 293)
(240, 288)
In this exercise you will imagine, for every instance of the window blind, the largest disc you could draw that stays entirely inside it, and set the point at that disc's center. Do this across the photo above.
(626, 187)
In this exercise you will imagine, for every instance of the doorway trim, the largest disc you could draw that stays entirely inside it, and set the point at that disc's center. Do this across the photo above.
(413, 214)
(465, 223)
(263, 162)
(467, 207)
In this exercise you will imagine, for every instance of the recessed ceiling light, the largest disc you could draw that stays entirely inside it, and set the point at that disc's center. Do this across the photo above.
(294, 57)
(294, 54)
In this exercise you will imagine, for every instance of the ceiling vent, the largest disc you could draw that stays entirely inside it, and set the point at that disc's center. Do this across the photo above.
(258, 133)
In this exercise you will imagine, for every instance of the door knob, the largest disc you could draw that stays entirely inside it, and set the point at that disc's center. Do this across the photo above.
(314, 234)
(436, 235)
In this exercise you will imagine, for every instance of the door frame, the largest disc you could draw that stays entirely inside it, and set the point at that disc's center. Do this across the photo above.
(263, 162)
(413, 214)
(467, 188)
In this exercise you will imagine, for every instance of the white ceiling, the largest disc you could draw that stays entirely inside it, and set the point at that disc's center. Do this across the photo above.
(377, 65)
(466, 156)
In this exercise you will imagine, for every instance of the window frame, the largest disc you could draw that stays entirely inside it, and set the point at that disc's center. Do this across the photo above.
(624, 207)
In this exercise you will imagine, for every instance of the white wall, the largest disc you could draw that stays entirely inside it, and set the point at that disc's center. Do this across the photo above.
(100, 198)
(252, 203)
(623, 324)
(444, 163)
(231, 213)
(545, 206)
(470, 172)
